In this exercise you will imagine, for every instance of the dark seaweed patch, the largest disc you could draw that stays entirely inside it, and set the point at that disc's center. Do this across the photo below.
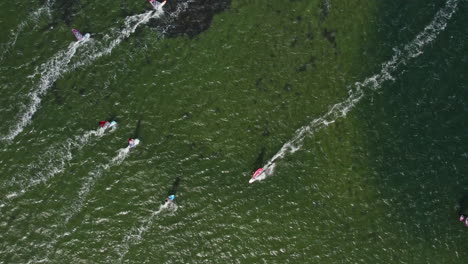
(186, 115)
(48, 27)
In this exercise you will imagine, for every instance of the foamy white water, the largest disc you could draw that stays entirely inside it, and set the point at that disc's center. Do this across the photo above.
(78, 204)
(135, 236)
(32, 17)
(122, 154)
(131, 23)
(54, 161)
(356, 92)
(58, 65)
(49, 72)
(172, 16)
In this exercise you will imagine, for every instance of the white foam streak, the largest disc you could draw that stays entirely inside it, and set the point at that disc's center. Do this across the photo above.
(136, 234)
(49, 72)
(58, 65)
(55, 160)
(356, 92)
(54, 68)
(172, 16)
(83, 194)
(31, 17)
(131, 23)
(91, 180)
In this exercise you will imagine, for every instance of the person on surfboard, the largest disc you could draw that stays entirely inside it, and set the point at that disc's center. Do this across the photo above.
(107, 124)
(170, 198)
(256, 174)
(133, 142)
(79, 36)
(465, 218)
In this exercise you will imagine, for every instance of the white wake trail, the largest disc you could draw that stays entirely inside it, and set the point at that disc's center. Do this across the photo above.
(136, 234)
(122, 154)
(79, 202)
(131, 23)
(32, 17)
(356, 92)
(54, 161)
(58, 65)
(49, 72)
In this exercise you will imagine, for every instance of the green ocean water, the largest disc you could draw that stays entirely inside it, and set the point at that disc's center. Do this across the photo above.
(377, 182)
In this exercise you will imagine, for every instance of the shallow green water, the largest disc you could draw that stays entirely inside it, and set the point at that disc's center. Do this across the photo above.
(380, 184)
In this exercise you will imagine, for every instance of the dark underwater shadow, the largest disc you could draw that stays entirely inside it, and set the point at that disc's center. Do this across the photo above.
(175, 186)
(258, 163)
(137, 131)
(463, 203)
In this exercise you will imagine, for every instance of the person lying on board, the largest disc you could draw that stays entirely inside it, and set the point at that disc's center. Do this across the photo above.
(133, 142)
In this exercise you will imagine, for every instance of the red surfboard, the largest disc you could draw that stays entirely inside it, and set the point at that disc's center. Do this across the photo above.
(256, 174)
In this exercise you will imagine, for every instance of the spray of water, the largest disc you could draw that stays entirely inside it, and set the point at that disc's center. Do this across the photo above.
(54, 161)
(356, 91)
(136, 234)
(32, 17)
